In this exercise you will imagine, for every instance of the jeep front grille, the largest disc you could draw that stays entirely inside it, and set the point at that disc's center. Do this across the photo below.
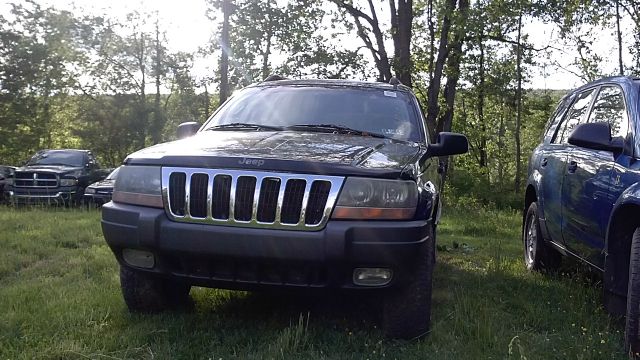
(30, 179)
(249, 198)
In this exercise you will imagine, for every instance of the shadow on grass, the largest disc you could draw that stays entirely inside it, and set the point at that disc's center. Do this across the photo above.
(496, 312)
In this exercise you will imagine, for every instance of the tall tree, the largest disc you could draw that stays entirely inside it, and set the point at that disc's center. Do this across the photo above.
(224, 49)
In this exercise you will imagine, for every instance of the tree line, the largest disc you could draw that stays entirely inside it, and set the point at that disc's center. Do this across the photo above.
(114, 86)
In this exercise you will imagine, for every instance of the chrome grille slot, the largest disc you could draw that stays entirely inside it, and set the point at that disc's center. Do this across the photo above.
(268, 201)
(245, 188)
(177, 193)
(292, 202)
(221, 196)
(317, 198)
(249, 198)
(198, 198)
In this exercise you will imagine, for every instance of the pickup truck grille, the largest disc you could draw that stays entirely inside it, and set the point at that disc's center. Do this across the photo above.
(30, 179)
(249, 198)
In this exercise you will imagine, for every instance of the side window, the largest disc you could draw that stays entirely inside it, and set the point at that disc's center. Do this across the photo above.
(561, 110)
(609, 108)
(577, 115)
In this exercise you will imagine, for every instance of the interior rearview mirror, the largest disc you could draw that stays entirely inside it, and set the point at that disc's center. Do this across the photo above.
(187, 129)
(596, 136)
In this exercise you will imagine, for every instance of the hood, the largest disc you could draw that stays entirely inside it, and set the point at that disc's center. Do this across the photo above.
(54, 169)
(283, 150)
(106, 184)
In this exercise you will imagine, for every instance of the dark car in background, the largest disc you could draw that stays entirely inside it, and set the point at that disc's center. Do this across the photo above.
(100, 192)
(291, 184)
(583, 193)
(6, 172)
(54, 176)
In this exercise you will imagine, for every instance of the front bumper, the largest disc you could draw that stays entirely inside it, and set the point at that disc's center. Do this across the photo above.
(42, 195)
(248, 258)
(98, 198)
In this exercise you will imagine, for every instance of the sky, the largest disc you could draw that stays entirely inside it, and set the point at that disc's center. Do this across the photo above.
(187, 28)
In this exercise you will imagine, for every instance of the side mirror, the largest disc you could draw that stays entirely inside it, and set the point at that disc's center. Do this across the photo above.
(447, 144)
(187, 129)
(596, 136)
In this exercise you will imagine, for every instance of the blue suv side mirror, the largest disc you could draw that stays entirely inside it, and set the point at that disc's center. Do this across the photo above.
(596, 136)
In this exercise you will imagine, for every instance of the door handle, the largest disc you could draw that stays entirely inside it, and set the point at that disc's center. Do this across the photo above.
(573, 166)
(543, 163)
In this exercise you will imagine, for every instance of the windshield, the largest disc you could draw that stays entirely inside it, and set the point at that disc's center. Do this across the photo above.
(58, 157)
(386, 112)
(113, 174)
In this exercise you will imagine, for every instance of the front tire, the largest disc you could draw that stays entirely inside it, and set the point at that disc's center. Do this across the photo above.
(632, 321)
(407, 310)
(538, 255)
(149, 293)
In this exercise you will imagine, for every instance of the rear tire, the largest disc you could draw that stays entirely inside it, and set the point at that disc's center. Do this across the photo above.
(148, 293)
(538, 255)
(632, 321)
(406, 312)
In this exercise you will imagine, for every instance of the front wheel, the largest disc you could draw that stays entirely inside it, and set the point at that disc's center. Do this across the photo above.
(632, 321)
(538, 255)
(148, 293)
(407, 310)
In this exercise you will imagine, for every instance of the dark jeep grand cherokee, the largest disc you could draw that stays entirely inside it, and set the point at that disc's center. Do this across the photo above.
(290, 184)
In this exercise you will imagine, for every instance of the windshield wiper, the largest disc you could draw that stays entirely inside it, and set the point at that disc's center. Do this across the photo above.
(243, 126)
(333, 128)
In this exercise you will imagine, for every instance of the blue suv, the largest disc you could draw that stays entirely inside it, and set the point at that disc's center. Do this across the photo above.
(583, 193)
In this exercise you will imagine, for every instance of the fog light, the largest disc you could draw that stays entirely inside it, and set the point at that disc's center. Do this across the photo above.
(139, 258)
(372, 276)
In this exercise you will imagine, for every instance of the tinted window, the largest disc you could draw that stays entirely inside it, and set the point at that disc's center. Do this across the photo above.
(386, 112)
(556, 118)
(609, 108)
(58, 157)
(576, 116)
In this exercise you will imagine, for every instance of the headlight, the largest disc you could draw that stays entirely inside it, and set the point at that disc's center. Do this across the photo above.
(9, 181)
(90, 190)
(68, 182)
(139, 185)
(363, 198)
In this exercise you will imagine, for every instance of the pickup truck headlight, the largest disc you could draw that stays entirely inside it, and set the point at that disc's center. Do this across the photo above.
(365, 199)
(68, 182)
(9, 181)
(139, 185)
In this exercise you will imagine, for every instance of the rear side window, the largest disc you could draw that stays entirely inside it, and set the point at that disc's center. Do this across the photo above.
(609, 108)
(577, 115)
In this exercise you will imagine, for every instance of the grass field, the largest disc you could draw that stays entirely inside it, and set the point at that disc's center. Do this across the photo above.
(60, 299)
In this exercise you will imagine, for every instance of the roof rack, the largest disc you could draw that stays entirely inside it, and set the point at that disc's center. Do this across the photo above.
(274, 77)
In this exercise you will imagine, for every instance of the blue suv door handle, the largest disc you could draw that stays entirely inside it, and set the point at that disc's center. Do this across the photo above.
(573, 166)
(543, 163)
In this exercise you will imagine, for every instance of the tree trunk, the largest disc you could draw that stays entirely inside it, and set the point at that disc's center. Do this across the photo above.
(453, 73)
(224, 46)
(619, 37)
(144, 115)
(519, 106)
(401, 22)
(433, 91)
(267, 51)
(158, 122)
(483, 127)
(206, 101)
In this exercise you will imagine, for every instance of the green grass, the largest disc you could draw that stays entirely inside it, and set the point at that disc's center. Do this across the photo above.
(60, 299)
